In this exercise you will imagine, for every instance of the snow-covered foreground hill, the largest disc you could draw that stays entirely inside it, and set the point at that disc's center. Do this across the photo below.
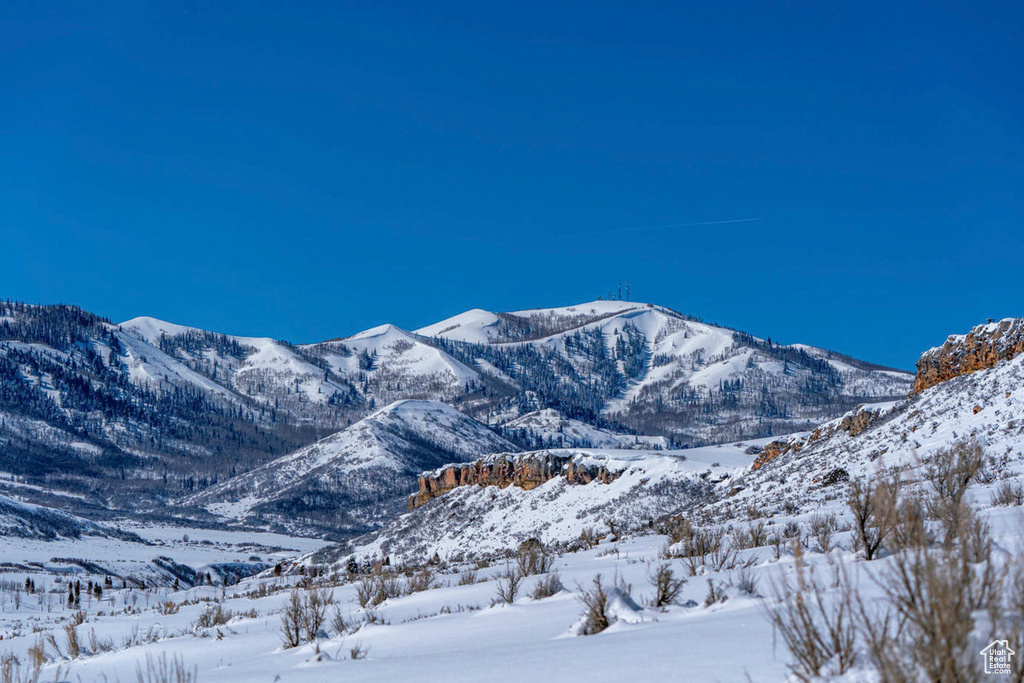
(986, 406)
(647, 485)
(447, 633)
(717, 630)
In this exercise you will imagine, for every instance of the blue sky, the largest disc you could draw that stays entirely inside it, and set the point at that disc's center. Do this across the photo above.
(310, 170)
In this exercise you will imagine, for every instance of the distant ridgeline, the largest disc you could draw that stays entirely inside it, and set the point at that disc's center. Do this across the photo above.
(133, 415)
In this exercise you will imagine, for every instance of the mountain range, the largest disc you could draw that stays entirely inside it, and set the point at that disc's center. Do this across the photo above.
(970, 389)
(160, 420)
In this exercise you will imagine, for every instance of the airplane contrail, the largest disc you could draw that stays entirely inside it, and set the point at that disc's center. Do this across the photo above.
(664, 227)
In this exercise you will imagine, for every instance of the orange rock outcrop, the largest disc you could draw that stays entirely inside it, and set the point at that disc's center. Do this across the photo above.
(526, 471)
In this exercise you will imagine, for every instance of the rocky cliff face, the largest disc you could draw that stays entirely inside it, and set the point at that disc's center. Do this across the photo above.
(527, 471)
(979, 349)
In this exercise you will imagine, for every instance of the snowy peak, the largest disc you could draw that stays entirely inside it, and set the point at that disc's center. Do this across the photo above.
(391, 352)
(475, 326)
(411, 411)
(653, 370)
(151, 329)
(385, 331)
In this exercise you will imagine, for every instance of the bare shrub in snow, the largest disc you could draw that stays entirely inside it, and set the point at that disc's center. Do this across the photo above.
(822, 528)
(303, 618)
(745, 580)
(533, 558)
(666, 586)
(421, 581)
(167, 607)
(338, 623)
(950, 472)
(873, 504)
(751, 536)
(934, 595)
(214, 615)
(386, 586)
(364, 591)
(292, 620)
(10, 670)
(468, 577)
(791, 531)
(163, 670)
(677, 530)
(1009, 493)
(702, 542)
(714, 595)
(37, 656)
(595, 608)
(507, 586)
(775, 543)
(73, 646)
(910, 528)
(98, 645)
(546, 587)
(816, 629)
(374, 589)
(588, 537)
(758, 535)
(314, 611)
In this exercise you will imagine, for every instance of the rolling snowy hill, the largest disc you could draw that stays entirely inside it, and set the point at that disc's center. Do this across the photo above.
(641, 486)
(659, 372)
(354, 480)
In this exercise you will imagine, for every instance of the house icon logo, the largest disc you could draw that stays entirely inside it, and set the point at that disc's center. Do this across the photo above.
(997, 657)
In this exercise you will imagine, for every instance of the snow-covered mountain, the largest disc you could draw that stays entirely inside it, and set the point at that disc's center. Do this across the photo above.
(353, 480)
(980, 396)
(97, 411)
(321, 382)
(657, 371)
(136, 415)
(613, 365)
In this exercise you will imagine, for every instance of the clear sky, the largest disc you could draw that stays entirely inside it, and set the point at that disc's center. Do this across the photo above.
(308, 170)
